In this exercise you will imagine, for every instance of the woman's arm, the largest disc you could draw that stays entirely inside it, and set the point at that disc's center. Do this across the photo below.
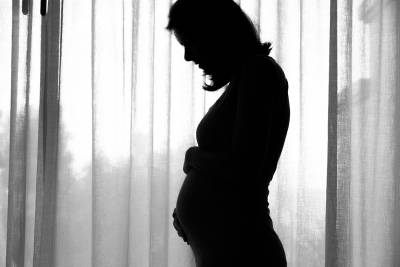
(261, 109)
(206, 161)
(262, 95)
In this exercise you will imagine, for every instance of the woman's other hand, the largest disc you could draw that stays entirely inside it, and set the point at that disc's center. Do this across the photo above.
(189, 157)
(206, 161)
(178, 227)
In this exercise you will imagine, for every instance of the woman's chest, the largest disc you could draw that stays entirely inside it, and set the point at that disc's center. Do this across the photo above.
(215, 130)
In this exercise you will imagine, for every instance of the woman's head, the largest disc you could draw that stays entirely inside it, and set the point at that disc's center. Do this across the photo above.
(217, 35)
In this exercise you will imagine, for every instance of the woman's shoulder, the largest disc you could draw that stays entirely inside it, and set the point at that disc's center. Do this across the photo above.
(262, 63)
(263, 69)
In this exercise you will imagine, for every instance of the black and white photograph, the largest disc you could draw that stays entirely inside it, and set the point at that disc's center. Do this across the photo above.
(199, 133)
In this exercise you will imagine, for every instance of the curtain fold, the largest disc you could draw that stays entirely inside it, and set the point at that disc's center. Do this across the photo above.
(47, 182)
(19, 111)
(364, 222)
(18, 119)
(97, 108)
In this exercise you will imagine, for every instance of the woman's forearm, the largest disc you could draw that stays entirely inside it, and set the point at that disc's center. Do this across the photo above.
(213, 159)
(204, 160)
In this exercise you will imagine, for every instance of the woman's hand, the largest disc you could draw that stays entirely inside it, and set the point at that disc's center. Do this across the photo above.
(190, 156)
(206, 161)
(178, 227)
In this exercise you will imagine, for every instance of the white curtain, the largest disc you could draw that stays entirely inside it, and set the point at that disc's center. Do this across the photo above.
(97, 108)
(363, 207)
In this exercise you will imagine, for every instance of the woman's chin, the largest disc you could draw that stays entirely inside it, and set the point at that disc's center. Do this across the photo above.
(207, 71)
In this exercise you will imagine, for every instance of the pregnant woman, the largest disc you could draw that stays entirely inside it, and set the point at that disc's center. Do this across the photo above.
(222, 208)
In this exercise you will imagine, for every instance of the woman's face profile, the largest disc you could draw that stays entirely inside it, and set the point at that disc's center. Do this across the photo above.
(199, 54)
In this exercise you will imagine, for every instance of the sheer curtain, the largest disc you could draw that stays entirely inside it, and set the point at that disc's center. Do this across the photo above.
(363, 207)
(97, 108)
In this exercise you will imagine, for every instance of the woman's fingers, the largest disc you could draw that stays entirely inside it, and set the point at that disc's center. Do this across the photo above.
(179, 230)
(174, 213)
(187, 164)
(178, 227)
(186, 167)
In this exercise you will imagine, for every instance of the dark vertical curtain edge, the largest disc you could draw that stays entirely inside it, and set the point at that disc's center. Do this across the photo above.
(40, 157)
(15, 249)
(331, 241)
(344, 155)
(13, 233)
(46, 187)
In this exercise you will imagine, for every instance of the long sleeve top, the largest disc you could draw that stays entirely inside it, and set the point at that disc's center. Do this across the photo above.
(243, 133)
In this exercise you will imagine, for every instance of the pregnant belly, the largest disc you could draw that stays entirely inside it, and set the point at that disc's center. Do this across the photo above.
(207, 208)
(204, 208)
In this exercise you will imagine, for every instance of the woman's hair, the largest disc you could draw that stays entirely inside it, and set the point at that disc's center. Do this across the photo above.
(219, 24)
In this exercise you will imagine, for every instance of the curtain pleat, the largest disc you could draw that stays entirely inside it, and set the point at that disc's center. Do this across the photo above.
(17, 167)
(160, 227)
(300, 38)
(5, 106)
(19, 139)
(111, 138)
(142, 138)
(365, 186)
(73, 237)
(331, 242)
(47, 166)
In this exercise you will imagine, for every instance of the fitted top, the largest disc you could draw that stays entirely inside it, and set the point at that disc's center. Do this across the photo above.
(265, 118)
(214, 132)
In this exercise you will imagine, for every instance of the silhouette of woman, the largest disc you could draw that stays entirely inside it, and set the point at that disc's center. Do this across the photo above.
(222, 208)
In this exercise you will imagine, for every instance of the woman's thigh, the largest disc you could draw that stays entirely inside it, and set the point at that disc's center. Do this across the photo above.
(250, 245)
(259, 246)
